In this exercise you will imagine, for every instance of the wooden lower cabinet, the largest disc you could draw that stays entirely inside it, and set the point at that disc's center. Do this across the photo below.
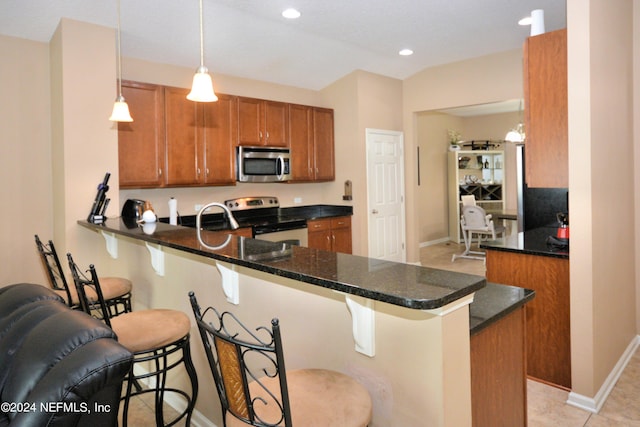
(330, 234)
(498, 377)
(548, 317)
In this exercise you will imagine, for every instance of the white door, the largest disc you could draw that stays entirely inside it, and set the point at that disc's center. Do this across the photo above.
(385, 186)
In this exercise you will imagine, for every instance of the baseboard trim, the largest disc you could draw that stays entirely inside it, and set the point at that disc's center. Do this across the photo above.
(594, 404)
(434, 242)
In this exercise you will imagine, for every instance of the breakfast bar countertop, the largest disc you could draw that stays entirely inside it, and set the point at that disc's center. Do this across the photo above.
(405, 285)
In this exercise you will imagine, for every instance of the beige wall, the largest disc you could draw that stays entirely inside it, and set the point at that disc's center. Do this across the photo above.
(25, 157)
(432, 194)
(601, 181)
(481, 80)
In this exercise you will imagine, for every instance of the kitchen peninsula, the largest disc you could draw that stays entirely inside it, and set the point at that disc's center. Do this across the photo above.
(410, 324)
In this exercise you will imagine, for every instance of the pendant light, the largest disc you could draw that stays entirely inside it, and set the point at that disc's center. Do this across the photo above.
(120, 111)
(516, 134)
(202, 88)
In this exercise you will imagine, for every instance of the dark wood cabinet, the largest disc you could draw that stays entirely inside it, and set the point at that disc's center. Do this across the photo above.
(330, 234)
(498, 373)
(183, 124)
(175, 142)
(141, 143)
(546, 116)
(220, 124)
(312, 143)
(548, 314)
(323, 144)
(262, 122)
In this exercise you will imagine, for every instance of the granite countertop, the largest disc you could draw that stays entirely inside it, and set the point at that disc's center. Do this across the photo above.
(400, 284)
(532, 242)
(494, 302)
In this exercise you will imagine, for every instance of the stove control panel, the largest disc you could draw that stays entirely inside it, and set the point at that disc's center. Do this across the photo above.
(249, 203)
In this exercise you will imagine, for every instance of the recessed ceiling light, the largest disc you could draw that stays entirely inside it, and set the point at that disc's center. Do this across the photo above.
(291, 13)
(406, 52)
(525, 21)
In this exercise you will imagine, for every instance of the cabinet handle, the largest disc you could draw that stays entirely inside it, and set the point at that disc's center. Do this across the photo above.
(198, 171)
(267, 135)
(260, 134)
(160, 172)
(207, 171)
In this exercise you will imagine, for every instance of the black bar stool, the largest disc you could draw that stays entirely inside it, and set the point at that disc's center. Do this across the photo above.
(255, 388)
(116, 290)
(158, 336)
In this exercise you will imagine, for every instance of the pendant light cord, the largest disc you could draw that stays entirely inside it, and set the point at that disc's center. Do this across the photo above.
(201, 38)
(119, 58)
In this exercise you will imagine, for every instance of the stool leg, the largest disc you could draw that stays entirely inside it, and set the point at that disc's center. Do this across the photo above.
(191, 371)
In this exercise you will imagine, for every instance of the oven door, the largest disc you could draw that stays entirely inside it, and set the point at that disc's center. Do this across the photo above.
(263, 164)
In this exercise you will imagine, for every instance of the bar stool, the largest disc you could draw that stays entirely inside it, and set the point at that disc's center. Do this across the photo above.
(255, 388)
(158, 336)
(117, 290)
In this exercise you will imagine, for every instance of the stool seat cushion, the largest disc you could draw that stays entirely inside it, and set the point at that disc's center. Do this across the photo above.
(318, 398)
(112, 287)
(147, 330)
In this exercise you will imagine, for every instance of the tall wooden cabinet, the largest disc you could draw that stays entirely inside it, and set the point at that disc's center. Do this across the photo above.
(546, 123)
(141, 143)
(478, 173)
(262, 122)
(183, 122)
(312, 143)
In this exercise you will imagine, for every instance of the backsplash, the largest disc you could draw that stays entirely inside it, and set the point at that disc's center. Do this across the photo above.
(542, 204)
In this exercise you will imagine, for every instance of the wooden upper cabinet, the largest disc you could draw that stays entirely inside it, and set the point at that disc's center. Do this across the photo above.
(220, 122)
(311, 143)
(546, 123)
(262, 122)
(183, 127)
(323, 144)
(301, 142)
(141, 143)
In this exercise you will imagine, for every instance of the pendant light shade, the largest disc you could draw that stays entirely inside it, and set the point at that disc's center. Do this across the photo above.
(120, 111)
(202, 88)
(516, 134)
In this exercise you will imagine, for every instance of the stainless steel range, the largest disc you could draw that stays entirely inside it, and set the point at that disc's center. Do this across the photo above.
(263, 214)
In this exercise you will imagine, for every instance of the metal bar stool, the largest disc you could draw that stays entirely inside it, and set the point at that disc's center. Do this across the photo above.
(157, 336)
(255, 388)
(117, 290)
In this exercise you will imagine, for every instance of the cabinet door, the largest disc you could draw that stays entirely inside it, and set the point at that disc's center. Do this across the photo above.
(275, 124)
(341, 234)
(546, 123)
(220, 125)
(249, 121)
(301, 142)
(319, 234)
(141, 149)
(323, 144)
(184, 137)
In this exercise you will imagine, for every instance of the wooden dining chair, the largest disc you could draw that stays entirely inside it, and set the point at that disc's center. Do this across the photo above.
(255, 389)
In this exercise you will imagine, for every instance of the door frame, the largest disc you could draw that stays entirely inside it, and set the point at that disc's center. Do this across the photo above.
(403, 221)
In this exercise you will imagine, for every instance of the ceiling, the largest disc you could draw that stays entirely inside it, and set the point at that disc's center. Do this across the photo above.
(250, 38)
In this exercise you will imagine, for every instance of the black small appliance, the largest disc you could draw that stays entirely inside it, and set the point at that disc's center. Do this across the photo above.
(132, 212)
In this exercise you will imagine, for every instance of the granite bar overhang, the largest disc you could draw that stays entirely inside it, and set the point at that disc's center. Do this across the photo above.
(404, 285)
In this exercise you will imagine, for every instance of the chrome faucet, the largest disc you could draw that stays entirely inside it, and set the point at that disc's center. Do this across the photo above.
(232, 222)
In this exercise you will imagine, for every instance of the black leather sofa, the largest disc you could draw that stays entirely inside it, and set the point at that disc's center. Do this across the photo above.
(58, 367)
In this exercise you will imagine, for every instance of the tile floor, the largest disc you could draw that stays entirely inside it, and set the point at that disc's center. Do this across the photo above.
(547, 405)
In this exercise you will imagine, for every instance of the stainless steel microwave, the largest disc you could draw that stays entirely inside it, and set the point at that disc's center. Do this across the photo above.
(263, 164)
